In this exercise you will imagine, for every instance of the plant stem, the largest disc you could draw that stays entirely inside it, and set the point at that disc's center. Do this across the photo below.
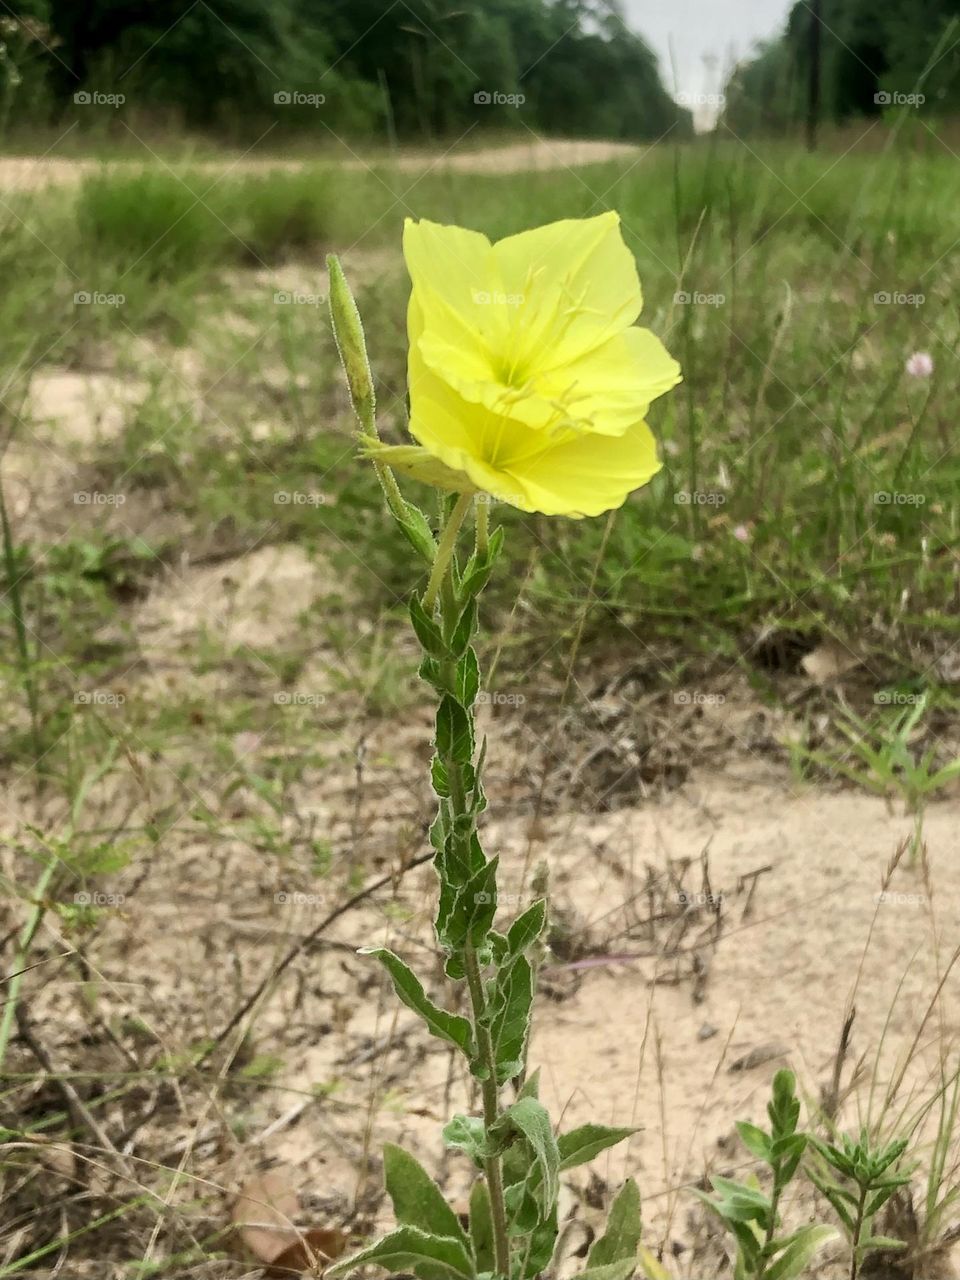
(448, 541)
(483, 525)
(857, 1229)
(491, 1113)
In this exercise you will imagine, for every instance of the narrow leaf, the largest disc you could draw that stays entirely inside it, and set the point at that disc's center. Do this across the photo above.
(444, 1025)
(583, 1144)
(622, 1236)
(410, 1249)
(416, 1198)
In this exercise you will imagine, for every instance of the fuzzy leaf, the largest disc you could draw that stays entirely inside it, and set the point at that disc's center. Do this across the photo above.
(622, 1235)
(444, 1025)
(410, 1249)
(798, 1253)
(583, 1144)
(416, 1198)
(528, 1119)
(510, 1027)
(527, 928)
(428, 633)
(481, 1226)
(466, 1133)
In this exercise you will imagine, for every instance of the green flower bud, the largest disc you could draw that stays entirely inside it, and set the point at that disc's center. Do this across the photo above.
(348, 331)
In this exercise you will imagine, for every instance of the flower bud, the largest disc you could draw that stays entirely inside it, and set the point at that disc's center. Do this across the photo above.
(348, 331)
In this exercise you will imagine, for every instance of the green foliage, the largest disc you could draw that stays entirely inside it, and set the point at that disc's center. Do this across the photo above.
(858, 1179)
(750, 1214)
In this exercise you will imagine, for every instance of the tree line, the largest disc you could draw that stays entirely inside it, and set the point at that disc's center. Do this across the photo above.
(417, 69)
(871, 58)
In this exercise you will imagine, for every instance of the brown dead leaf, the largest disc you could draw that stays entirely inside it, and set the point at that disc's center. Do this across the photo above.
(828, 662)
(265, 1216)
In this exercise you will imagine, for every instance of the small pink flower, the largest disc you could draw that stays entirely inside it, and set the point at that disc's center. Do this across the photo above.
(742, 533)
(920, 364)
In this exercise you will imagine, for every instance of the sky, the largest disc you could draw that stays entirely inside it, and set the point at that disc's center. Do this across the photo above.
(720, 30)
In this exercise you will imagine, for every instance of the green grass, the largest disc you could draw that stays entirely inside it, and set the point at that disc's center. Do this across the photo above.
(795, 412)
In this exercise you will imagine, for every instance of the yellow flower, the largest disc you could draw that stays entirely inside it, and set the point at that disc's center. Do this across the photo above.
(527, 380)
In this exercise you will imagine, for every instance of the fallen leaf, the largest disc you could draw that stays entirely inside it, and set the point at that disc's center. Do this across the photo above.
(265, 1215)
(828, 662)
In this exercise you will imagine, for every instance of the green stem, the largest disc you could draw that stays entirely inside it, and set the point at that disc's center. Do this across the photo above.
(448, 541)
(857, 1230)
(491, 1113)
(483, 525)
(23, 954)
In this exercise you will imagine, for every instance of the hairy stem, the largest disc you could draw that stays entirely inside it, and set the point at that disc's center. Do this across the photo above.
(445, 548)
(491, 1113)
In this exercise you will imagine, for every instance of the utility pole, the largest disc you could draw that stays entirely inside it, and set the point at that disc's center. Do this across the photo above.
(813, 82)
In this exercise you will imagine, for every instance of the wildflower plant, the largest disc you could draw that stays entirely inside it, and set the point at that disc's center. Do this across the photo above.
(528, 384)
(764, 1250)
(858, 1177)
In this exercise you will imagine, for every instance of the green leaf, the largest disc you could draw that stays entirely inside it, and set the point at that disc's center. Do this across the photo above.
(798, 1253)
(882, 1242)
(467, 1134)
(416, 1198)
(622, 1235)
(454, 731)
(417, 531)
(468, 678)
(612, 1271)
(510, 1025)
(481, 1226)
(438, 776)
(463, 632)
(473, 909)
(428, 633)
(527, 927)
(528, 1119)
(755, 1140)
(583, 1144)
(410, 1249)
(444, 1025)
(540, 1247)
(531, 1086)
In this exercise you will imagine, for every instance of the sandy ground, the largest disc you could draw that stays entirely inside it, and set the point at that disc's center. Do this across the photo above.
(27, 173)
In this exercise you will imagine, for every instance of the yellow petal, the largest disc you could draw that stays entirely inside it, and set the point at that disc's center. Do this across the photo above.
(579, 285)
(451, 271)
(590, 474)
(573, 474)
